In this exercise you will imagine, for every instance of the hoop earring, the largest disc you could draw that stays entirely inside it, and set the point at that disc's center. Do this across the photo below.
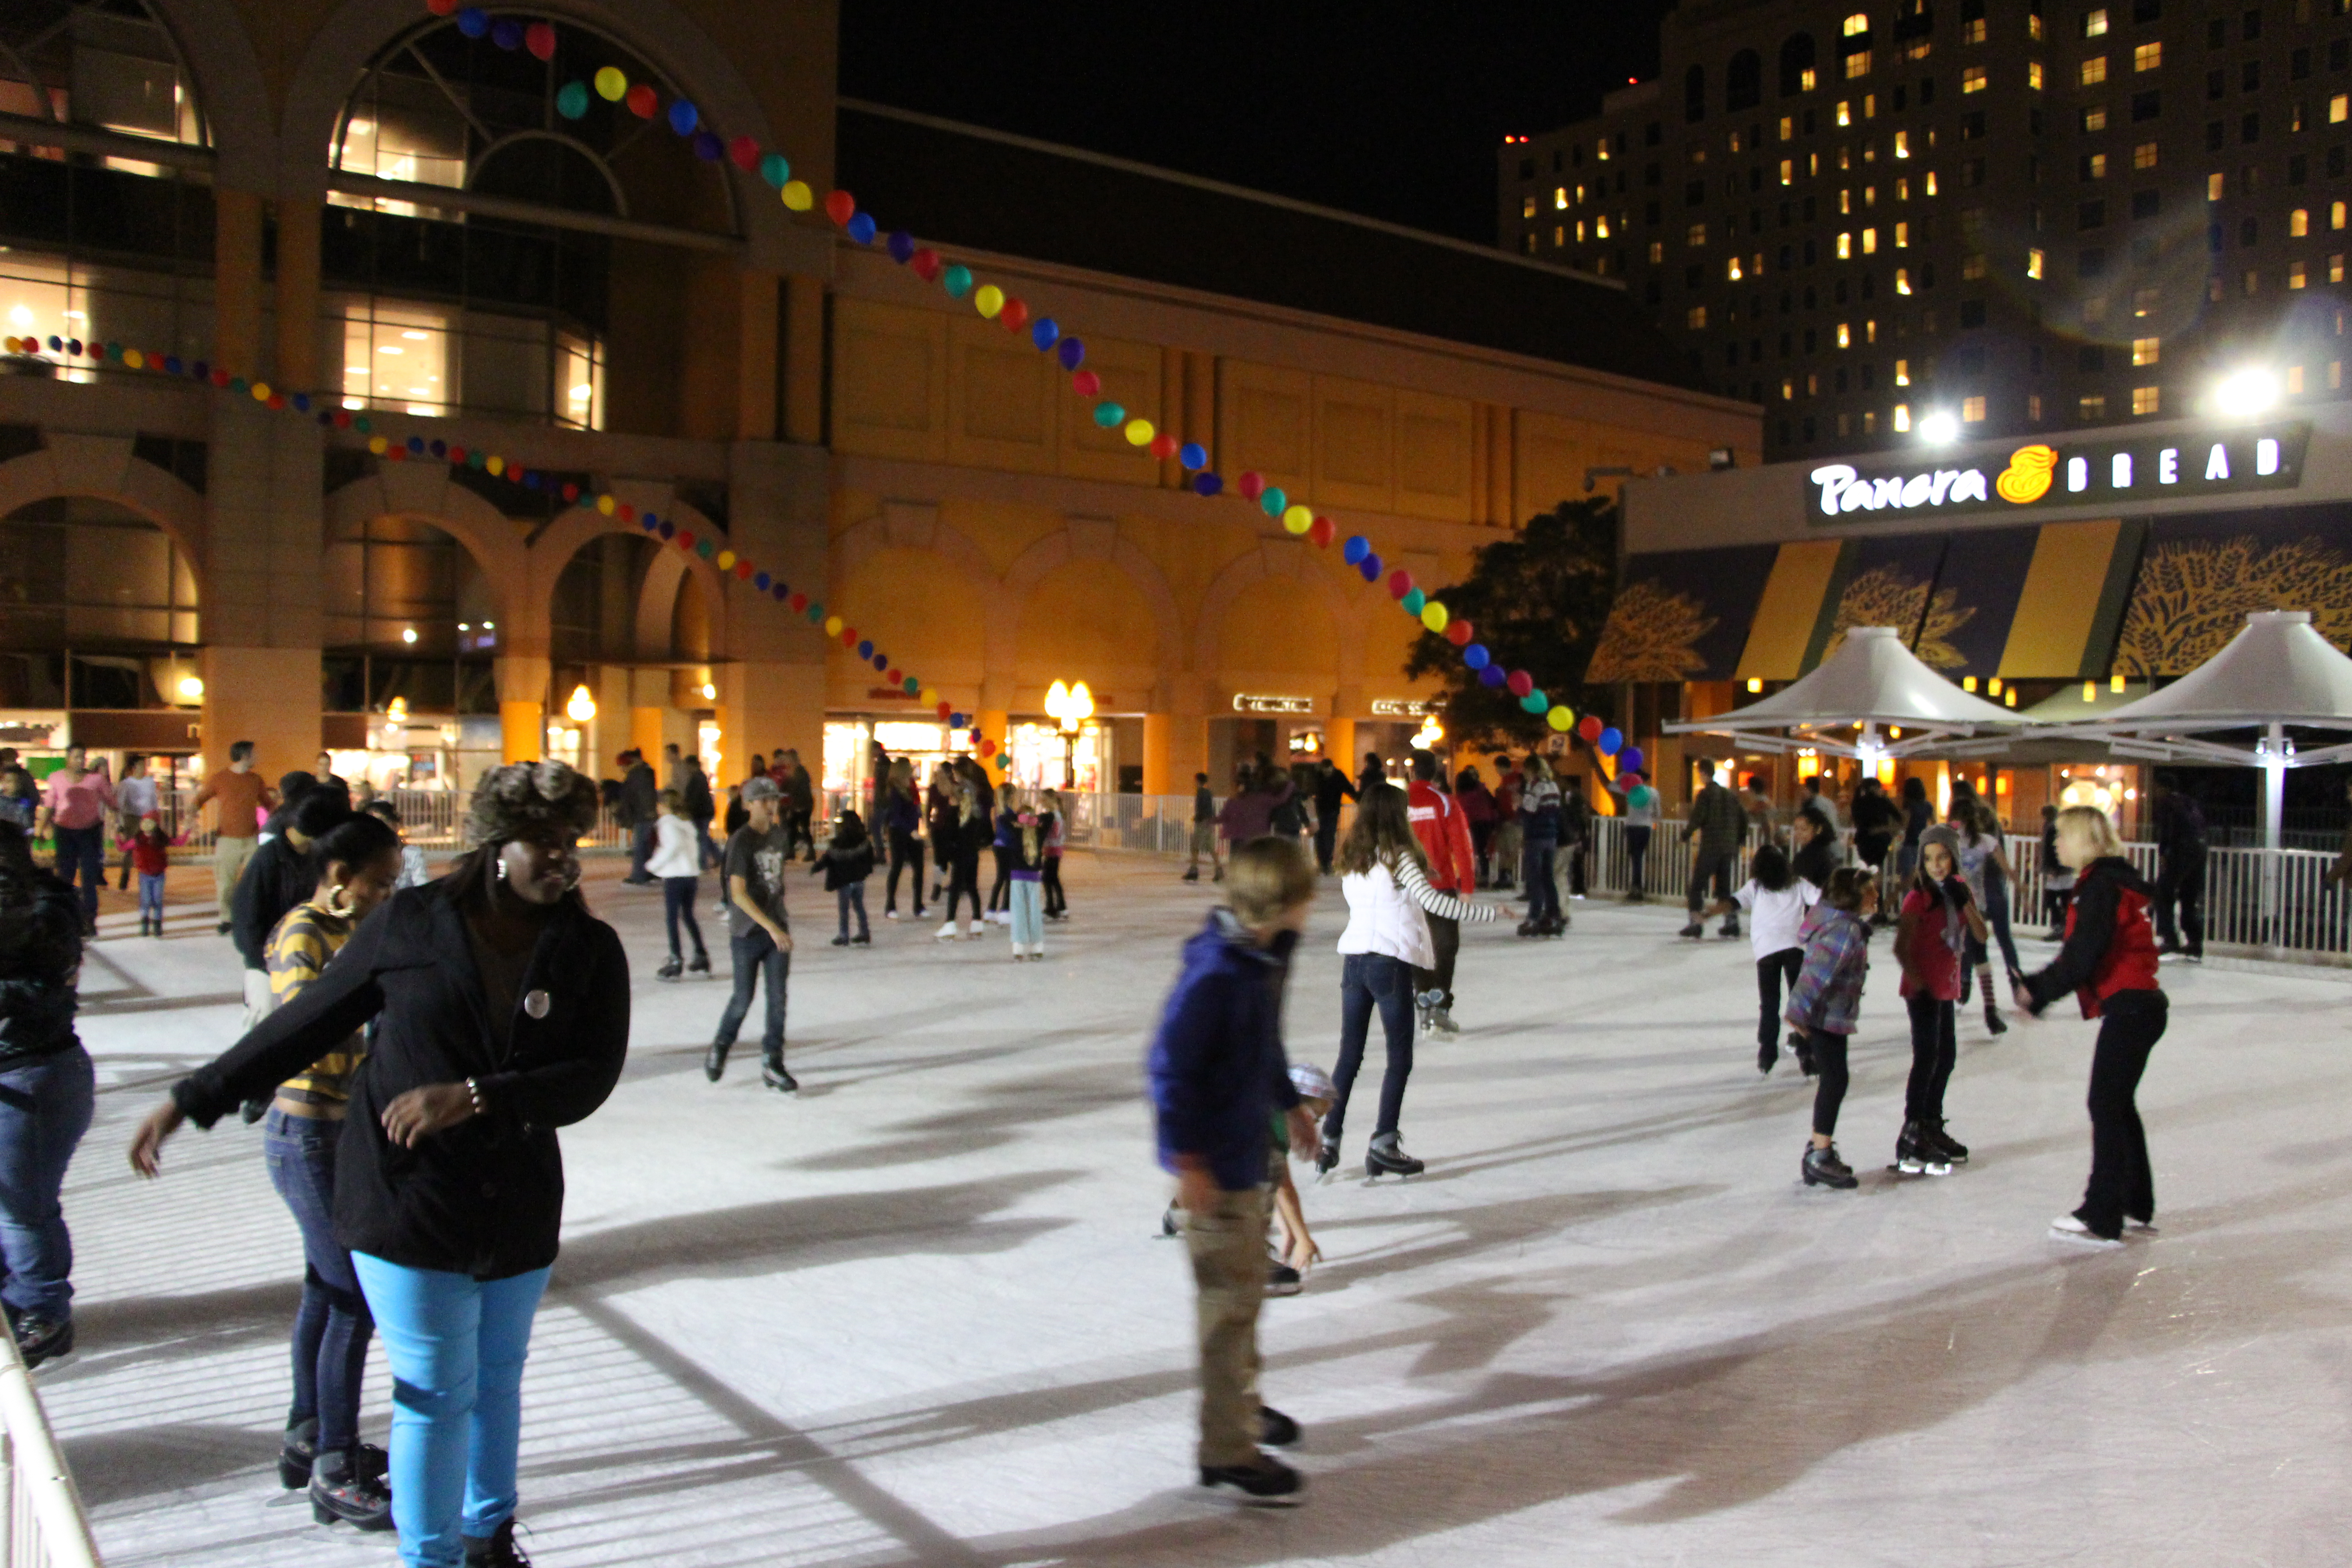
(336, 902)
(498, 868)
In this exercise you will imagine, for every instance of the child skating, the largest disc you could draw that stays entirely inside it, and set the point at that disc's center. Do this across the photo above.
(1940, 923)
(1826, 1003)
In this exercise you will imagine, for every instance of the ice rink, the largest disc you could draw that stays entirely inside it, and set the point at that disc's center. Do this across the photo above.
(920, 1313)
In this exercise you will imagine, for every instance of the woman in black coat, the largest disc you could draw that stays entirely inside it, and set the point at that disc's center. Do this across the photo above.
(502, 1013)
(46, 1091)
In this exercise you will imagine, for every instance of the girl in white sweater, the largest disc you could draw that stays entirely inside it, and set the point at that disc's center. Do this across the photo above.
(1387, 884)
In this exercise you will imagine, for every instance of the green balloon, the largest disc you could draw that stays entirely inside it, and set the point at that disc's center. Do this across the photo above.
(1271, 501)
(572, 99)
(1413, 600)
(775, 170)
(704, 548)
(1110, 415)
(957, 282)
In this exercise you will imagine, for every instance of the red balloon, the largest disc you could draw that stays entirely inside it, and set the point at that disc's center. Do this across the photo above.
(944, 710)
(685, 538)
(625, 512)
(220, 377)
(1458, 633)
(840, 207)
(456, 454)
(1163, 445)
(927, 264)
(441, 7)
(539, 39)
(799, 603)
(1322, 532)
(571, 492)
(849, 637)
(1401, 584)
(641, 101)
(745, 152)
(343, 418)
(1252, 484)
(1013, 316)
(1589, 727)
(743, 570)
(397, 454)
(988, 748)
(1519, 683)
(1086, 384)
(276, 400)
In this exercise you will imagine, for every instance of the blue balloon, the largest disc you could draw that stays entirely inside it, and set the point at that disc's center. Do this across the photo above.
(1042, 332)
(761, 581)
(171, 365)
(648, 521)
(1073, 353)
(1492, 676)
(473, 21)
(683, 117)
(955, 720)
(902, 246)
(865, 650)
(1355, 549)
(507, 33)
(1207, 484)
(1476, 656)
(302, 406)
(1371, 567)
(860, 227)
(707, 146)
(1629, 760)
(1611, 739)
(1192, 455)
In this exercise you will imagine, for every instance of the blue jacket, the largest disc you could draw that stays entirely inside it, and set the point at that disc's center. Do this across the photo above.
(1218, 1072)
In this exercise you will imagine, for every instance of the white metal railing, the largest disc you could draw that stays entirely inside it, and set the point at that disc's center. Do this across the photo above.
(46, 1527)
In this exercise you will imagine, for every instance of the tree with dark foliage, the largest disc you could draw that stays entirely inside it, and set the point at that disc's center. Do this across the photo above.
(1538, 601)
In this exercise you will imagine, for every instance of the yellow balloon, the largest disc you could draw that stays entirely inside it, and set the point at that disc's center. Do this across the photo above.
(261, 389)
(612, 85)
(1434, 615)
(930, 698)
(1561, 717)
(376, 444)
(605, 503)
(1297, 518)
(1139, 432)
(134, 359)
(833, 626)
(495, 465)
(726, 561)
(797, 195)
(987, 299)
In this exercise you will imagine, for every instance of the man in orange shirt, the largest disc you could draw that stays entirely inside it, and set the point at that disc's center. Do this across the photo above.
(1444, 835)
(246, 798)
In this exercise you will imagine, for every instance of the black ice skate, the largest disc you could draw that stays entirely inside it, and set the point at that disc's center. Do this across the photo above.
(671, 970)
(1822, 1168)
(1914, 1156)
(1386, 1158)
(1992, 1018)
(773, 1074)
(343, 1492)
(1933, 1136)
(714, 1060)
(1265, 1480)
(701, 964)
(1275, 1430)
(1327, 1159)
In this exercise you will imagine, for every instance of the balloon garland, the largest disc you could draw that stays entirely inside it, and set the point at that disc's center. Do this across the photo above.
(573, 101)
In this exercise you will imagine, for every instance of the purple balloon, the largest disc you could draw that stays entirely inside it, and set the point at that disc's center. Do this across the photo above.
(1493, 674)
(1629, 760)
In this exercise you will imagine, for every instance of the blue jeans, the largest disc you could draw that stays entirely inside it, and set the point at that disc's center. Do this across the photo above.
(641, 849)
(332, 1326)
(1368, 980)
(456, 1346)
(678, 904)
(81, 854)
(1537, 876)
(756, 953)
(1028, 909)
(711, 858)
(151, 896)
(44, 1108)
(847, 897)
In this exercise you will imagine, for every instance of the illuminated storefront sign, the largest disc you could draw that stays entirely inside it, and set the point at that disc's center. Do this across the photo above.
(2087, 473)
(1260, 702)
(1399, 707)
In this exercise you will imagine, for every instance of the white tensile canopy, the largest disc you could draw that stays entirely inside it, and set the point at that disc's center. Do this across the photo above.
(2277, 672)
(1872, 683)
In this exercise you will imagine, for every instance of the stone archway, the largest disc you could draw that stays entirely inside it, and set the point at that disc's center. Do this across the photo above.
(1273, 559)
(1085, 538)
(103, 467)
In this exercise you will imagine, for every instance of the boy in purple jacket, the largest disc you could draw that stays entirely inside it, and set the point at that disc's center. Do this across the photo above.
(1219, 1077)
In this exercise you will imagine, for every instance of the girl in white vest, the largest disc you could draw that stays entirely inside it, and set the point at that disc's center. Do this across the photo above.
(1386, 881)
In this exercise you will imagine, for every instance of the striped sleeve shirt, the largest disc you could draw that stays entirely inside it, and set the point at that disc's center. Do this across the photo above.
(1445, 906)
(299, 949)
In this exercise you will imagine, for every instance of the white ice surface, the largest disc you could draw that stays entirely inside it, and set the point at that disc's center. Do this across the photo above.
(919, 1314)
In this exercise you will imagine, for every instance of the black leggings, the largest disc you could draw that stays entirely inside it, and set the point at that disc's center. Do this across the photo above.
(1828, 1093)
(999, 896)
(1932, 1052)
(964, 879)
(1055, 901)
(1772, 970)
(2121, 1183)
(905, 850)
(1637, 850)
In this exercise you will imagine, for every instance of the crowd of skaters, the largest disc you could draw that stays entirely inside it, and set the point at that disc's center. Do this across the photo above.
(463, 1019)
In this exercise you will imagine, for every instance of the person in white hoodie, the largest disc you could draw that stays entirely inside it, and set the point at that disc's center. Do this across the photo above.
(1386, 881)
(677, 859)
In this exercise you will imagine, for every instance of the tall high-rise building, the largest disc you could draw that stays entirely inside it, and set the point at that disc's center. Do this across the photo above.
(2029, 216)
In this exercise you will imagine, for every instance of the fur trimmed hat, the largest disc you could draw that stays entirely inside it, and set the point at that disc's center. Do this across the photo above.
(512, 800)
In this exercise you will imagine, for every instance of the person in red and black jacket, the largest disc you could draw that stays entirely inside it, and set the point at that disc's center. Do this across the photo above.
(1445, 834)
(2108, 961)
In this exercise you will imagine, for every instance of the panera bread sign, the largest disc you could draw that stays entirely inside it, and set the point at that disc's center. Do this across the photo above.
(2086, 473)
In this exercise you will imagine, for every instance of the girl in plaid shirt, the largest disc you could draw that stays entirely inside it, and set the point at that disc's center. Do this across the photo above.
(1826, 1004)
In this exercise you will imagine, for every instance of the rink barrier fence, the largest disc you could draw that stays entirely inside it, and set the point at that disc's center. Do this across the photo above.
(48, 1527)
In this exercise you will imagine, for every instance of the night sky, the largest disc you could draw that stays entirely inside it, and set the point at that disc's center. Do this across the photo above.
(1393, 110)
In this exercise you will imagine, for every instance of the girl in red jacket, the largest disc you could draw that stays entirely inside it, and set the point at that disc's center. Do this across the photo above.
(2109, 962)
(1940, 925)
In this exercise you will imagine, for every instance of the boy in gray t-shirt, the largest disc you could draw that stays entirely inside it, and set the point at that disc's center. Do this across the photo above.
(759, 935)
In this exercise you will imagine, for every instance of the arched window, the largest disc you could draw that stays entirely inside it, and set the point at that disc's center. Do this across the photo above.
(98, 608)
(1856, 24)
(410, 618)
(1743, 81)
(442, 309)
(1798, 63)
(1695, 93)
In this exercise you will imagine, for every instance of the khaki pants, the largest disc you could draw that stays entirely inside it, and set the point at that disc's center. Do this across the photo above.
(1228, 1249)
(229, 856)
